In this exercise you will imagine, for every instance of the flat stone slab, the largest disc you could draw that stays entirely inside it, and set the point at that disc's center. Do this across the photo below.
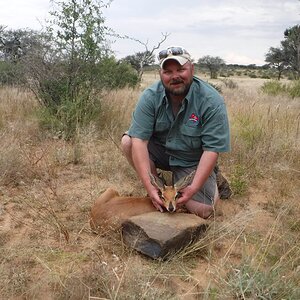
(158, 235)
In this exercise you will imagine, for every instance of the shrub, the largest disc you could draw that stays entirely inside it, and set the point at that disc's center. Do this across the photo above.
(265, 76)
(238, 180)
(112, 74)
(64, 119)
(72, 67)
(70, 103)
(294, 89)
(252, 75)
(53, 91)
(230, 83)
(10, 73)
(273, 88)
(247, 282)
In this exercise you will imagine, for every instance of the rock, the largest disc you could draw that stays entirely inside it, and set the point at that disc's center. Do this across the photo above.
(159, 235)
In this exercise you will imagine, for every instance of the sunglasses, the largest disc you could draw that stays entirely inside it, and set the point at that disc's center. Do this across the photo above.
(171, 51)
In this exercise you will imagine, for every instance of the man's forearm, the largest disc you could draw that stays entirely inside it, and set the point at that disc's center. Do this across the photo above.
(142, 166)
(141, 160)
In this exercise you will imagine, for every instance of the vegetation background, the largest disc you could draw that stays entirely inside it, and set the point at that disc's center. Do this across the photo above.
(65, 101)
(48, 184)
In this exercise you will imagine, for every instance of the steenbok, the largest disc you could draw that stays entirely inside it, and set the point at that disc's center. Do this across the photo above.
(111, 208)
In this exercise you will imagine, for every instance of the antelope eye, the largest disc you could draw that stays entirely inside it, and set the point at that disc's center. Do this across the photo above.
(178, 195)
(161, 196)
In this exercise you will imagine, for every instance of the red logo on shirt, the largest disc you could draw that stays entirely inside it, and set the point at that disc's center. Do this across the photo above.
(194, 118)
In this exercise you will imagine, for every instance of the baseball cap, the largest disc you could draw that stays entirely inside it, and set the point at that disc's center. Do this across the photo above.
(177, 53)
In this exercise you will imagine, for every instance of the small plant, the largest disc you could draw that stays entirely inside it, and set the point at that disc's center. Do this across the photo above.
(248, 282)
(65, 119)
(273, 88)
(294, 89)
(229, 83)
(238, 180)
(252, 75)
(265, 76)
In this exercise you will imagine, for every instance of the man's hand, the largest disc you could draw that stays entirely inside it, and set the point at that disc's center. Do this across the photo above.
(156, 201)
(186, 194)
(206, 165)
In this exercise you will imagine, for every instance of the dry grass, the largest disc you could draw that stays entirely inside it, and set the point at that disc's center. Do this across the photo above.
(47, 186)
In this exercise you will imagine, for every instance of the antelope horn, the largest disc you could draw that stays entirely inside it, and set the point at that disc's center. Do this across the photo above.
(157, 181)
(184, 181)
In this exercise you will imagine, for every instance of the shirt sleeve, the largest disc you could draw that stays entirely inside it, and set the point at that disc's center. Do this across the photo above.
(143, 117)
(215, 133)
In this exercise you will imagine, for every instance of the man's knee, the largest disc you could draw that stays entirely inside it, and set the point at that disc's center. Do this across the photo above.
(126, 144)
(206, 213)
(200, 209)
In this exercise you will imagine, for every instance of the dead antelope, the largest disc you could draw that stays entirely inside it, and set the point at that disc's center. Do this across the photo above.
(110, 207)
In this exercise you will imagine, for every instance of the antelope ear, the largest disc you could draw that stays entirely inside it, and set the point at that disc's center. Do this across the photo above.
(156, 181)
(184, 181)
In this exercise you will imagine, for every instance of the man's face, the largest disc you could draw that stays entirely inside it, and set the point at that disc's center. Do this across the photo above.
(177, 78)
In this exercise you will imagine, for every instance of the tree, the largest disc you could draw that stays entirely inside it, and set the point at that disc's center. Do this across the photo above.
(77, 33)
(214, 64)
(71, 69)
(135, 60)
(276, 59)
(288, 54)
(11, 49)
(291, 46)
(146, 57)
(15, 45)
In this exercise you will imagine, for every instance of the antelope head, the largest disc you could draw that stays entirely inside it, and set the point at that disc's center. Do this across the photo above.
(170, 194)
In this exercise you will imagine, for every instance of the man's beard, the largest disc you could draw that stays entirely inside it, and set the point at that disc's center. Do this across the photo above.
(180, 91)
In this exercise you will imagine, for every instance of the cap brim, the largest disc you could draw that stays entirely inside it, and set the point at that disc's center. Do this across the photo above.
(179, 59)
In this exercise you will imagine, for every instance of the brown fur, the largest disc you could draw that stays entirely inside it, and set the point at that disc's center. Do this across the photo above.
(112, 209)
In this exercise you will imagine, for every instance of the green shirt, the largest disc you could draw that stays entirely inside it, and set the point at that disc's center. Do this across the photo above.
(201, 123)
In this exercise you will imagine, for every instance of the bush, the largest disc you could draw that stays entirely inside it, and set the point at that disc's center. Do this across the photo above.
(264, 76)
(248, 282)
(230, 83)
(70, 102)
(52, 92)
(273, 88)
(69, 117)
(294, 89)
(113, 75)
(10, 73)
(252, 75)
